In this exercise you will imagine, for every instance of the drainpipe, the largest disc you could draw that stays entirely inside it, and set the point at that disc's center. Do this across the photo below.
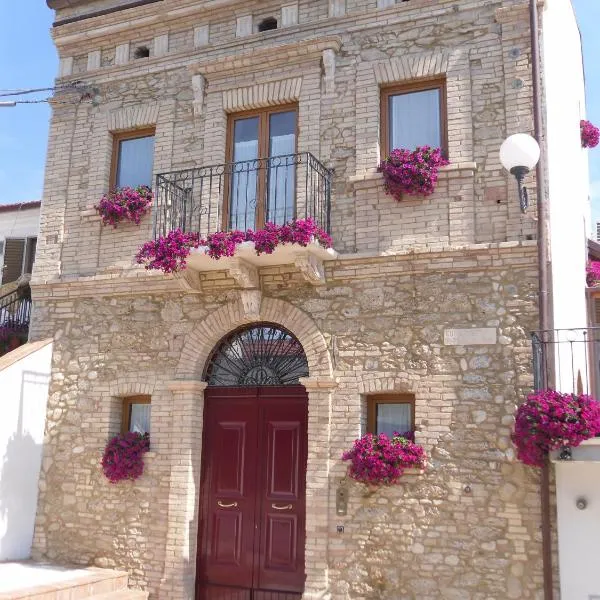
(543, 236)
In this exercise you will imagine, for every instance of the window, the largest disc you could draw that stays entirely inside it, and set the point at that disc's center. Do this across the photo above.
(141, 52)
(414, 115)
(133, 158)
(267, 24)
(136, 414)
(18, 258)
(390, 413)
(262, 182)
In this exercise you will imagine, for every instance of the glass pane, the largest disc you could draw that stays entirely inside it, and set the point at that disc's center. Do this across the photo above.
(282, 170)
(394, 418)
(136, 159)
(242, 204)
(415, 120)
(139, 421)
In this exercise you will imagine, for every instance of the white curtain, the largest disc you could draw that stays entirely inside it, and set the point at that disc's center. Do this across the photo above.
(140, 418)
(282, 179)
(394, 418)
(136, 159)
(242, 211)
(415, 120)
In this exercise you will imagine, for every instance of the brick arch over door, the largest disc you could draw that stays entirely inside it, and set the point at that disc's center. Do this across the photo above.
(202, 340)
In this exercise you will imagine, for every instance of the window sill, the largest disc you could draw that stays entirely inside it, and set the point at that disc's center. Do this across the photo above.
(452, 170)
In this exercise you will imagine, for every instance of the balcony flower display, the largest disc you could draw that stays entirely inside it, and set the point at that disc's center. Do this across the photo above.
(12, 335)
(549, 420)
(412, 173)
(125, 204)
(590, 134)
(124, 456)
(593, 273)
(169, 253)
(381, 460)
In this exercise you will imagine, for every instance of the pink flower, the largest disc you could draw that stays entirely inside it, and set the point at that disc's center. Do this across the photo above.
(125, 204)
(593, 273)
(124, 456)
(413, 173)
(590, 134)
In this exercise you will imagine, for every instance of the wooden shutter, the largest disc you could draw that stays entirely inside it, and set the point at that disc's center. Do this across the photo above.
(596, 315)
(14, 251)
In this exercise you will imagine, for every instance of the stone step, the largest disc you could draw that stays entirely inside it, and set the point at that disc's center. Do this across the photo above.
(122, 595)
(47, 582)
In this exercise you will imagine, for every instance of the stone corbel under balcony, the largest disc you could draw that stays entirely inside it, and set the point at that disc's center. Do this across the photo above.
(245, 265)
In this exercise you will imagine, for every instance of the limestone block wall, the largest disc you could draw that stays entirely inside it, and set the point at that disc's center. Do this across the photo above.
(333, 67)
(468, 527)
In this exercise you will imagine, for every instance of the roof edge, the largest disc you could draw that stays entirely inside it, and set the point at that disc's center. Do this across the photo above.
(20, 206)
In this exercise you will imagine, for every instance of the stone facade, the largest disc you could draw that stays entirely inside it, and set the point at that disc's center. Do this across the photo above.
(408, 272)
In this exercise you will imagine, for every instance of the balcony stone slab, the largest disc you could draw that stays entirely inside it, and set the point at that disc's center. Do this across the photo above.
(244, 266)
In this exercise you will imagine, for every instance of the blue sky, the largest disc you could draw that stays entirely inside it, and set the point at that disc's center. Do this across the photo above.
(28, 60)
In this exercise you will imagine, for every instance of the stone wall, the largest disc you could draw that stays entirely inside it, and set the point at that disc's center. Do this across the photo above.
(468, 527)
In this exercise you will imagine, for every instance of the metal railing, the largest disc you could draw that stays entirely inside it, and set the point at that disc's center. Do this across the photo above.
(243, 195)
(567, 360)
(15, 308)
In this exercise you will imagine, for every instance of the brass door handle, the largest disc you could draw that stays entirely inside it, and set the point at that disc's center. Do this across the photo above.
(222, 505)
(284, 507)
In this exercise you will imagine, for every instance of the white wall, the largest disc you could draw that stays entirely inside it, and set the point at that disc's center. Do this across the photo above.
(568, 177)
(579, 530)
(24, 378)
(19, 223)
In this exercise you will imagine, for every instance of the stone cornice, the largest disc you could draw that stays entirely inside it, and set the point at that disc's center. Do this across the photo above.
(186, 386)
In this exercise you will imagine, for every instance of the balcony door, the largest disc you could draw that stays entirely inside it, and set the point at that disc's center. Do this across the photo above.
(261, 186)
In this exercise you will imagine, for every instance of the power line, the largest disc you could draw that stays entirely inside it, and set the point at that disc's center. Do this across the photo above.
(58, 88)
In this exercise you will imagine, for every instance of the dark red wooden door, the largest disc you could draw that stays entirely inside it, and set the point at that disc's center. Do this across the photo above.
(252, 528)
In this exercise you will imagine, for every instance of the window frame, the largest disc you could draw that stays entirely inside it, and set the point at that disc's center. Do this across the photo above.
(126, 414)
(263, 145)
(117, 138)
(373, 400)
(421, 85)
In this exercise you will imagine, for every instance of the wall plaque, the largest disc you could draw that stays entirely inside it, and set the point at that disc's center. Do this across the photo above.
(477, 336)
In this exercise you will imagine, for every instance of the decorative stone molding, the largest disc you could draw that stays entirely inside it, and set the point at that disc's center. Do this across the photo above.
(122, 54)
(198, 87)
(121, 387)
(189, 280)
(337, 8)
(244, 274)
(251, 301)
(94, 60)
(133, 117)
(406, 68)
(329, 71)
(289, 15)
(201, 36)
(378, 384)
(243, 26)
(161, 45)
(311, 268)
(186, 386)
(65, 67)
(385, 3)
(319, 383)
(262, 94)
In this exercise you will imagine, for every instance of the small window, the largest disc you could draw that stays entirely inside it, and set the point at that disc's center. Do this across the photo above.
(141, 52)
(267, 24)
(414, 115)
(133, 159)
(390, 414)
(136, 414)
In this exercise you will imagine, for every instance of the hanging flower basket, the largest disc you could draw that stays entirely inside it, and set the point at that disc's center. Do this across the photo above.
(549, 420)
(125, 204)
(590, 134)
(380, 460)
(592, 272)
(124, 456)
(12, 335)
(169, 253)
(412, 173)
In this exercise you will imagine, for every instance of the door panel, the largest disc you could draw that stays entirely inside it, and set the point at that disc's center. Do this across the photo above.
(252, 530)
(230, 474)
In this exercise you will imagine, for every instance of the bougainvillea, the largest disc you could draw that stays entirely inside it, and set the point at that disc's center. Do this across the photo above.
(125, 204)
(590, 134)
(549, 420)
(381, 460)
(593, 273)
(12, 335)
(124, 456)
(169, 253)
(413, 173)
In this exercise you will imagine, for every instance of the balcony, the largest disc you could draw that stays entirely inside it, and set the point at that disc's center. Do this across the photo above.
(246, 195)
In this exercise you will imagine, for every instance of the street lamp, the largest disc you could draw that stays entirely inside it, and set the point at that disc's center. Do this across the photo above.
(519, 154)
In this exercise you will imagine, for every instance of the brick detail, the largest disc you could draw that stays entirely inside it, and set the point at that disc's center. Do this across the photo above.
(243, 26)
(289, 15)
(161, 45)
(122, 54)
(65, 67)
(263, 94)
(94, 60)
(201, 36)
(337, 8)
(133, 117)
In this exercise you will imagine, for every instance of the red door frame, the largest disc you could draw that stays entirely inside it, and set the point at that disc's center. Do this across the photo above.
(276, 498)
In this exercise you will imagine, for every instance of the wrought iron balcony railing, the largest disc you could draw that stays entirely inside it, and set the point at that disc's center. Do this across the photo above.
(243, 195)
(567, 360)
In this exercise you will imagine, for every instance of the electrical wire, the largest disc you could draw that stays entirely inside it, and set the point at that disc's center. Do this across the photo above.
(22, 92)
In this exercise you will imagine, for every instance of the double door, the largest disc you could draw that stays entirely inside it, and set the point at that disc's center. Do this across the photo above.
(252, 527)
